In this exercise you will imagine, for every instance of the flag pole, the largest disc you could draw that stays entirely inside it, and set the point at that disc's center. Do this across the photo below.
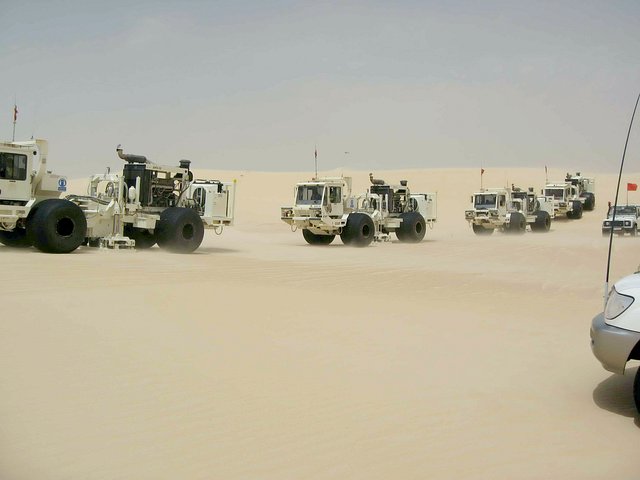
(15, 118)
(315, 154)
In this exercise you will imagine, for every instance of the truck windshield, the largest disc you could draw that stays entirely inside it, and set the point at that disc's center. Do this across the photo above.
(309, 195)
(557, 193)
(484, 201)
(623, 210)
(13, 166)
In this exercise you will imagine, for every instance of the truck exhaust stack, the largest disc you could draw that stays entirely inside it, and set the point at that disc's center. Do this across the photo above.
(127, 157)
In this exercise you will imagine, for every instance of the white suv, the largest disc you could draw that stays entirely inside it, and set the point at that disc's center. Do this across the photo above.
(615, 333)
(626, 220)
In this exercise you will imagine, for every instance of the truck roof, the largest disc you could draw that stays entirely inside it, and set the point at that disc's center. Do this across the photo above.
(485, 191)
(319, 181)
(41, 144)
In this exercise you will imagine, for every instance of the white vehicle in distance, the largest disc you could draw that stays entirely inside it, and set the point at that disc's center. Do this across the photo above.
(566, 200)
(509, 210)
(325, 207)
(615, 333)
(626, 220)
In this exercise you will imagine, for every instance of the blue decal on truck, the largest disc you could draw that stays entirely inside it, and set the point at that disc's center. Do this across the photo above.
(62, 185)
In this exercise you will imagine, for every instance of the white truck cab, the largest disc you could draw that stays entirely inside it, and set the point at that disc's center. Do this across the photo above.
(25, 181)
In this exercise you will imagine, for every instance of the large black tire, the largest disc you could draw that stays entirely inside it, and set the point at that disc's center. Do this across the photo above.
(412, 229)
(480, 230)
(143, 237)
(179, 230)
(57, 226)
(345, 236)
(589, 201)
(16, 238)
(314, 239)
(517, 224)
(542, 223)
(636, 390)
(359, 230)
(577, 211)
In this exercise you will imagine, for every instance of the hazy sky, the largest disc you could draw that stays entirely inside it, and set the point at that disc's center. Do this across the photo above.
(255, 85)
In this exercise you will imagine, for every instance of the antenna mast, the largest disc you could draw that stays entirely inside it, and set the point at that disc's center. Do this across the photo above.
(15, 119)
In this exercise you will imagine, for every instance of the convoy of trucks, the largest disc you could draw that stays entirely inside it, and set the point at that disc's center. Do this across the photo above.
(149, 204)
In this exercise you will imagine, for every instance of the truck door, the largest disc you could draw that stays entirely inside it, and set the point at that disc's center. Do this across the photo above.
(334, 200)
(14, 184)
(502, 204)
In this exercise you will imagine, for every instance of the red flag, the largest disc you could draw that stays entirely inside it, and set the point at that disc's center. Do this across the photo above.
(15, 113)
(632, 187)
(481, 171)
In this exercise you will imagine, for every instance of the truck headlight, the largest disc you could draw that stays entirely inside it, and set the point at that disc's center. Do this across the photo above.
(616, 304)
(607, 224)
(627, 223)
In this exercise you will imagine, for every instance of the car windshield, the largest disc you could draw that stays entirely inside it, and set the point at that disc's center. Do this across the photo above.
(309, 194)
(623, 210)
(484, 201)
(557, 193)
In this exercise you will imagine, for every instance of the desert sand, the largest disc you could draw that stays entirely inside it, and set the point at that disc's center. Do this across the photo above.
(261, 357)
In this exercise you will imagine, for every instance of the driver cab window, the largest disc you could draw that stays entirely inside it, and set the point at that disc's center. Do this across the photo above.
(335, 195)
(501, 202)
(13, 166)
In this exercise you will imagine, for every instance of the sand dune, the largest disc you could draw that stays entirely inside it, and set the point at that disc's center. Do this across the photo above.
(260, 357)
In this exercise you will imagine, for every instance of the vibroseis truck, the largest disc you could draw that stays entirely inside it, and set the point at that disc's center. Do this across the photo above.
(573, 196)
(147, 204)
(509, 210)
(325, 207)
